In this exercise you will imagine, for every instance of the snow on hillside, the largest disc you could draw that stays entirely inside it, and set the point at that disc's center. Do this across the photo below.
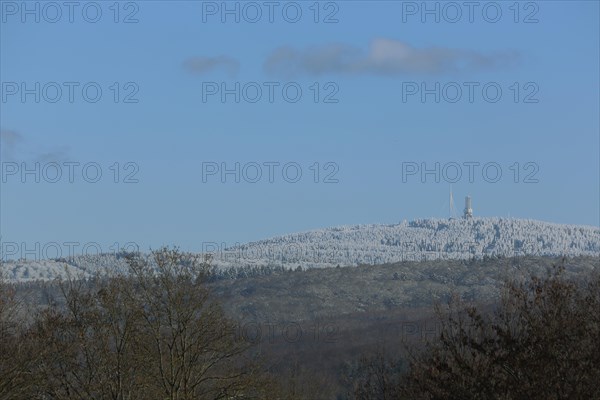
(424, 239)
(419, 240)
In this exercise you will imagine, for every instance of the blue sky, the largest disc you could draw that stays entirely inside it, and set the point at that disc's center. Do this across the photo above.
(360, 145)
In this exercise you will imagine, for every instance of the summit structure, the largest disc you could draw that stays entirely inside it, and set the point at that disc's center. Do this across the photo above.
(468, 208)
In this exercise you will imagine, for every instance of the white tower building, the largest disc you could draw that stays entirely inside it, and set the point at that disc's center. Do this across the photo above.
(468, 208)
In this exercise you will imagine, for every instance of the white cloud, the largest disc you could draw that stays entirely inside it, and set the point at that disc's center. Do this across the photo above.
(383, 57)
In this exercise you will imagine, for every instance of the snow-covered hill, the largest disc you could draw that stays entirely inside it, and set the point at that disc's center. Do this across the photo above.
(369, 244)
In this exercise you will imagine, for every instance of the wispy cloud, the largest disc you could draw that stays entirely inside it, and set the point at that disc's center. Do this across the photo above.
(9, 140)
(203, 65)
(383, 57)
(14, 147)
(58, 155)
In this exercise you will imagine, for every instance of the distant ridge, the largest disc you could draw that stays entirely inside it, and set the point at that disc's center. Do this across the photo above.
(421, 239)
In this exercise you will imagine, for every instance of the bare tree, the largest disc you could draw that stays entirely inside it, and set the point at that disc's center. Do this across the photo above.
(374, 377)
(16, 355)
(542, 342)
(187, 342)
(87, 344)
(150, 332)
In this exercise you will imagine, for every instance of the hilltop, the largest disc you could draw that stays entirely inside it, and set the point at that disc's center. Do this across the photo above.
(418, 240)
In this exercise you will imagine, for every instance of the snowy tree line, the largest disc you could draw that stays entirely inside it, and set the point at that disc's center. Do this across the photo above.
(424, 239)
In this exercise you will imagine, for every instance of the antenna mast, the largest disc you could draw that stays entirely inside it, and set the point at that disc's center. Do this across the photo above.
(451, 208)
